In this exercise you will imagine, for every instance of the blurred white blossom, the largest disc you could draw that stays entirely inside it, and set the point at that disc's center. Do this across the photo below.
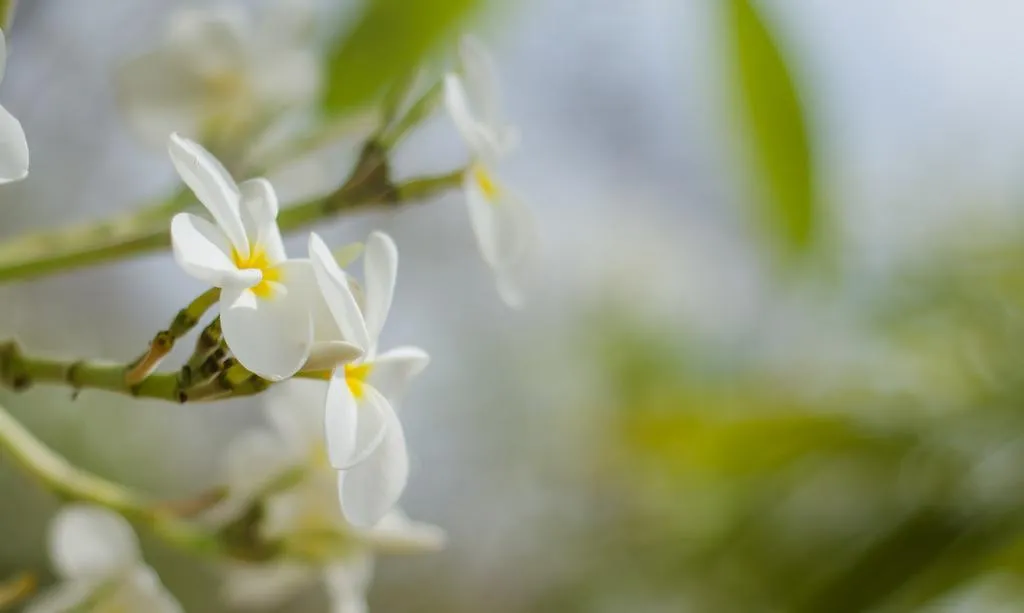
(365, 438)
(222, 76)
(286, 469)
(265, 297)
(13, 145)
(503, 225)
(96, 555)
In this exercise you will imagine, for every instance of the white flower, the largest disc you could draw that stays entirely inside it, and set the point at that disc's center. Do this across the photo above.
(502, 223)
(365, 439)
(96, 554)
(265, 297)
(304, 515)
(220, 75)
(13, 146)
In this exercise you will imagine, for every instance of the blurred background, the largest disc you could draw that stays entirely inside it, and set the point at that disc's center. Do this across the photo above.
(773, 359)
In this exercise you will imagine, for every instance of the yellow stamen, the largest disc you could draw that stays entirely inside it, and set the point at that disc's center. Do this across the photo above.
(355, 376)
(257, 260)
(485, 181)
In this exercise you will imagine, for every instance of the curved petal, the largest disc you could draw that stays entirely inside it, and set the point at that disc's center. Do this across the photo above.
(326, 355)
(392, 371)
(202, 250)
(381, 269)
(396, 533)
(518, 243)
(259, 215)
(334, 286)
(372, 488)
(296, 412)
(13, 148)
(481, 81)
(212, 185)
(141, 591)
(348, 582)
(269, 336)
(90, 542)
(483, 217)
(456, 101)
(341, 414)
(371, 426)
(265, 585)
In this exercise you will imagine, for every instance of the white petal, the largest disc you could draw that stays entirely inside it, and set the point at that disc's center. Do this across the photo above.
(326, 355)
(371, 425)
(202, 250)
(295, 409)
(381, 270)
(483, 216)
(334, 286)
(392, 371)
(90, 542)
(396, 533)
(481, 81)
(341, 414)
(259, 215)
(141, 591)
(212, 185)
(64, 597)
(348, 582)
(13, 148)
(265, 585)
(269, 336)
(372, 488)
(457, 103)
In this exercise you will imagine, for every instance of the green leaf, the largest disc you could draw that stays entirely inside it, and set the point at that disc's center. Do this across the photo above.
(775, 132)
(387, 42)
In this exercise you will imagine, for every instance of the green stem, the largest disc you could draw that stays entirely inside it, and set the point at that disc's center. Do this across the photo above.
(417, 113)
(19, 372)
(148, 230)
(164, 341)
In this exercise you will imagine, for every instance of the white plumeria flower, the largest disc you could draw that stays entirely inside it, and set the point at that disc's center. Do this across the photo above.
(13, 145)
(365, 439)
(265, 297)
(503, 225)
(96, 554)
(221, 75)
(305, 515)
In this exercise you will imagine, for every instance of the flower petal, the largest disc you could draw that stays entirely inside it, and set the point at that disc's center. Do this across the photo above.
(341, 414)
(372, 488)
(396, 533)
(265, 585)
(481, 81)
(457, 103)
(483, 217)
(392, 371)
(141, 591)
(340, 301)
(90, 542)
(259, 215)
(326, 355)
(202, 250)
(296, 412)
(13, 148)
(348, 582)
(371, 426)
(269, 336)
(381, 269)
(212, 185)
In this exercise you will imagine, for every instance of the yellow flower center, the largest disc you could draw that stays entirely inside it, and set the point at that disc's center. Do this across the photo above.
(485, 181)
(355, 376)
(257, 260)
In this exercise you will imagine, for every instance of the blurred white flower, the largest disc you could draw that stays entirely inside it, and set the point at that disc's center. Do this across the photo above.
(13, 145)
(96, 554)
(303, 514)
(502, 223)
(265, 297)
(222, 76)
(365, 439)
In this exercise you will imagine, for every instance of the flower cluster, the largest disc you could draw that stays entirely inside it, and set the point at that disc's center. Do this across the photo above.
(315, 496)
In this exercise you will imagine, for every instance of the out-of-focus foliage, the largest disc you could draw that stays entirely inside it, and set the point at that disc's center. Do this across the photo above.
(388, 40)
(774, 127)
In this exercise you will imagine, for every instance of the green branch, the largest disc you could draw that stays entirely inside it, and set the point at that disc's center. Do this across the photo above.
(42, 254)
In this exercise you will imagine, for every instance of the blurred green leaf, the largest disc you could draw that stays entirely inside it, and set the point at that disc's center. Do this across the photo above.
(776, 134)
(387, 41)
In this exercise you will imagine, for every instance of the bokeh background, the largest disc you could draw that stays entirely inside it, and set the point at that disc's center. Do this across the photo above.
(692, 414)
